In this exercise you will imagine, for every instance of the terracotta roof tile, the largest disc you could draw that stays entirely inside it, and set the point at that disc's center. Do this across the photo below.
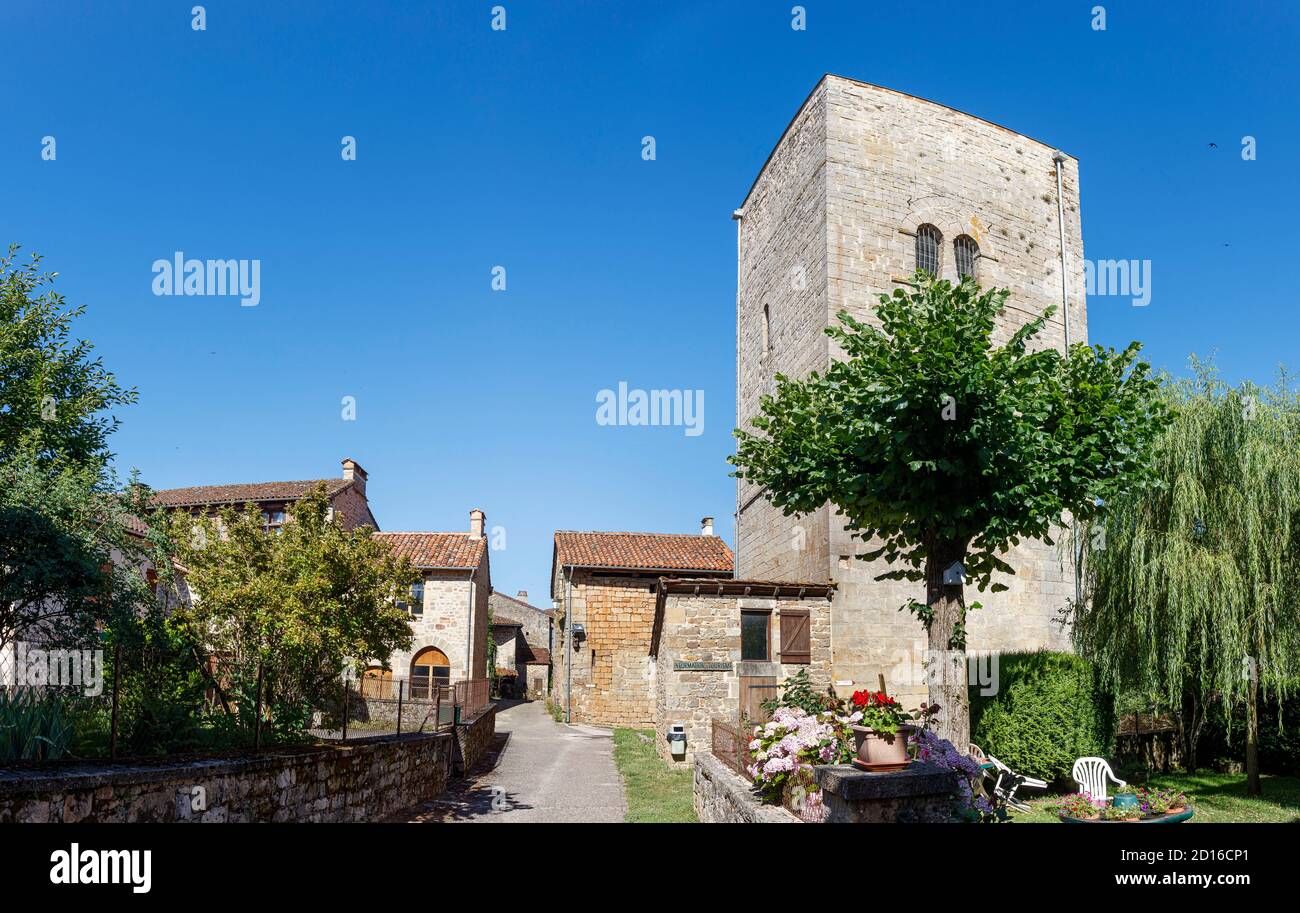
(642, 551)
(244, 494)
(540, 657)
(504, 622)
(437, 550)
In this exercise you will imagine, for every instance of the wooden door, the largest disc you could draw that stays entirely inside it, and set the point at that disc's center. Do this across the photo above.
(754, 690)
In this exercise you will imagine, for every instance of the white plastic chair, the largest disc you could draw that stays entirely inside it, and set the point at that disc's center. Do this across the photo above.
(1008, 781)
(1091, 775)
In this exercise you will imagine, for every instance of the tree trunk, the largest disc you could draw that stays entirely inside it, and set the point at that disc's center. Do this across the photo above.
(946, 667)
(1252, 733)
(1189, 726)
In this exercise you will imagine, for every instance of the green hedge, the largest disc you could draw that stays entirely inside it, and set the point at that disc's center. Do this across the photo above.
(1046, 713)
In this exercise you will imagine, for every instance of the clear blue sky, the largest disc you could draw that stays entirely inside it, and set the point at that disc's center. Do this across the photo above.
(522, 149)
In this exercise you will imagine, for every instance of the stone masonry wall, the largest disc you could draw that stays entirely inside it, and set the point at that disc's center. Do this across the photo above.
(890, 163)
(613, 675)
(722, 797)
(361, 781)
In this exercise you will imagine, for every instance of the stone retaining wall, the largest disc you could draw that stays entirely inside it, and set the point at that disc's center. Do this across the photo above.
(473, 737)
(361, 781)
(723, 797)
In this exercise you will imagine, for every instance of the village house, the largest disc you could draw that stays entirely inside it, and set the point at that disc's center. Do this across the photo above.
(522, 633)
(448, 610)
(604, 586)
(721, 647)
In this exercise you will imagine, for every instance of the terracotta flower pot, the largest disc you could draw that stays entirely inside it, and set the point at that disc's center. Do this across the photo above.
(879, 751)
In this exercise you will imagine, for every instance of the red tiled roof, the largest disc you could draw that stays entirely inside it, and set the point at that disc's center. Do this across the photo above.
(504, 622)
(541, 657)
(437, 550)
(244, 494)
(642, 551)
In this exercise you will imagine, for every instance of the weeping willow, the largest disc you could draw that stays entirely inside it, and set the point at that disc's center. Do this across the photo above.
(1192, 590)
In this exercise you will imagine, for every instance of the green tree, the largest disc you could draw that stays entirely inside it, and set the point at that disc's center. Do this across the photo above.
(939, 447)
(63, 516)
(302, 605)
(54, 395)
(1193, 589)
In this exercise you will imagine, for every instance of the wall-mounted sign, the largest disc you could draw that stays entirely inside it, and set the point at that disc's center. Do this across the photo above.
(681, 665)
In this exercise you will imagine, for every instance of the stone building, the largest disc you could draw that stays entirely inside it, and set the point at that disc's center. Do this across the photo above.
(865, 185)
(448, 608)
(347, 497)
(607, 583)
(522, 633)
(722, 646)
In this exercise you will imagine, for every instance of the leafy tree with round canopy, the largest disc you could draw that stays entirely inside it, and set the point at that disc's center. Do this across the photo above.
(1193, 589)
(939, 446)
(303, 605)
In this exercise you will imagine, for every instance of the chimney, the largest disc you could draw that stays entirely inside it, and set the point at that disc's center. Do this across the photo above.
(522, 595)
(706, 526)
(476, 518)
(353, 472)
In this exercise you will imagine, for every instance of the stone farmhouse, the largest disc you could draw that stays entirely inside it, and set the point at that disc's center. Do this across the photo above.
(448, 607)
(522, 633)
(866, 185)
(604, 586)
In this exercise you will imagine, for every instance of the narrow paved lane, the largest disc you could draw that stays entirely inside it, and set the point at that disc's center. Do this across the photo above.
(546, 771)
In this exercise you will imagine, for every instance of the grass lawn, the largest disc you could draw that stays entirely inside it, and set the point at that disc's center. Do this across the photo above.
(656, 793)
(1216, 797)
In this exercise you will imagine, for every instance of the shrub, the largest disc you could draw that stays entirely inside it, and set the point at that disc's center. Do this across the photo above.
(1047, 712)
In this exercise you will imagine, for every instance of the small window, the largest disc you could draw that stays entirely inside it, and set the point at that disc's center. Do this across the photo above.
(417, 598)
(929, 245)
(767, 332)
(967, 252)
(753, 636)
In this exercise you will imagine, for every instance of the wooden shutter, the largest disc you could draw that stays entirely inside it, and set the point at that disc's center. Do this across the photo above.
(796, 639)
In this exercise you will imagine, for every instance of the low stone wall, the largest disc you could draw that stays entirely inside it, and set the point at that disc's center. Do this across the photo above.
(723, 797)
(361, 781)
(474, 736)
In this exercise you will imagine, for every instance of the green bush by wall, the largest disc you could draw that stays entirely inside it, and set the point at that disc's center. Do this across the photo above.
(1046, 713)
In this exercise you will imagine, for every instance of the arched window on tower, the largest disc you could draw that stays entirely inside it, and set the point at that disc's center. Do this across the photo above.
(929, 244)
(968, 252)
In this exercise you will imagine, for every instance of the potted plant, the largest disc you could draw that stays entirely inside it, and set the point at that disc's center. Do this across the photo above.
(1080, 806)
(1157, 802)
(1125, 797)
(1121, 813)
(880, 731)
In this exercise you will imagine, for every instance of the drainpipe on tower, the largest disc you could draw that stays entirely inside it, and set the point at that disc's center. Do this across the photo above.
(1059, 158)
(737, 215)
(568, 644)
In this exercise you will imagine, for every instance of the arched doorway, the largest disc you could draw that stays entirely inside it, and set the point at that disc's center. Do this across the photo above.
(429, 669)
(377, 682)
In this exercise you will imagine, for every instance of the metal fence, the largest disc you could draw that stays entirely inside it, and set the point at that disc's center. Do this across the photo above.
(106, 702)
(730, 745)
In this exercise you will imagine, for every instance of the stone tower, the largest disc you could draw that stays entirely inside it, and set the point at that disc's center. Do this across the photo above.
(830, 224)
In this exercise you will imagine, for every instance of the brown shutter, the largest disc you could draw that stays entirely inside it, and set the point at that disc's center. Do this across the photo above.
(796, 640)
